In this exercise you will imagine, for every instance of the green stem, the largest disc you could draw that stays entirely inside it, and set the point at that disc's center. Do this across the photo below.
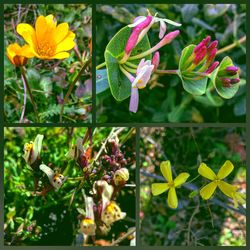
(132, 65)
(193, 179)
(231, 46)
(172, 71)
(101, 65)
(25, 81)
(129, 69)
(66, 98)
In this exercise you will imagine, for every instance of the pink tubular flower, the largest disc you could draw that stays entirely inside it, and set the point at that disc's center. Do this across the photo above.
(212, 67)
(212, 45)
(156, 60)
(204, 42)
(167, 39)
(133, 39)
(232, 70)
(211, 56)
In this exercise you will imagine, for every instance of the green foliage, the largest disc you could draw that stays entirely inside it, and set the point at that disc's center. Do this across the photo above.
(120, 86)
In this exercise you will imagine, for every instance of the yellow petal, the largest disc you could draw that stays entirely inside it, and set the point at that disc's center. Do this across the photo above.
(227, 188)
(206, 171)
(207, 191)
(180, 179)
(41, 28)
(27, 51)
(51, 21)
(166, 170)
(65, 45)
(60, 32)
(60, 55)
(172, 198)
(159, 188)
(28, 33)
(225, 170)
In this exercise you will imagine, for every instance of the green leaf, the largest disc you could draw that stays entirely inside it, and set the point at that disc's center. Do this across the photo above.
(191, 84)
(209, 100)
(102, 83)
(46, 86)
(225, 92)
(33, 77)
(120, 85)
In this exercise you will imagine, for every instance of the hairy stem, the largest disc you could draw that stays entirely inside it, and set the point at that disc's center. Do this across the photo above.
(101, 65)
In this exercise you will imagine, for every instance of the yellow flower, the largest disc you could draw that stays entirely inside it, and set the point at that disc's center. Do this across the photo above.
(18, 55)
(158, 188)
(217, 180)
(48, 40)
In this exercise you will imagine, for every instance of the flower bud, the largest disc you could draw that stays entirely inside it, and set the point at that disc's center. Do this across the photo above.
(156, 60)
(168, 38)
(121, 176)
(204, 42)
(211, 56)
(15, 54)
(212, 67)
(235, 80)
(200, 55)
(211, 46)
(232, 70)
(132, 41)
(226, 82)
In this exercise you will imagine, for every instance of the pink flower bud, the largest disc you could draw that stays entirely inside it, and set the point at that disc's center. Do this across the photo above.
(168, 38)
(211, 46)
(200, 55)
(232, 70)
(132, 41)
(212, 67)
(156, 60)
(204, 42)
(211, 56)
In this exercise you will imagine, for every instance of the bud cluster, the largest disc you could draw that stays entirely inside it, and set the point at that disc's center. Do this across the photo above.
(229, 76)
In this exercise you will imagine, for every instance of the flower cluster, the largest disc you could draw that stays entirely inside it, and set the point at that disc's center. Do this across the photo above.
(207, 191)
(202, 58)
(228, 76)
(145, 68)
(46, 41)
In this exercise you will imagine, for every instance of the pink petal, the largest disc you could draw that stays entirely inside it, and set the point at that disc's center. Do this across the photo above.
(134, 100)
(163, 29)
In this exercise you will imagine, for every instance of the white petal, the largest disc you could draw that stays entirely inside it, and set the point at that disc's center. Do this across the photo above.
(137, 21)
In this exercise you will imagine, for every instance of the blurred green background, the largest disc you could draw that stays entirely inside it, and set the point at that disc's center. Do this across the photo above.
(195, 222)
(49, 79)
(164, 99)
(33, 220)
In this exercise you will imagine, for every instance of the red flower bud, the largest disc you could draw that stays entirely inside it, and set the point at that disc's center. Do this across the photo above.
(235, 80)
(204, 42)
(211, 56)
(211, 46)
(156, 60)
(226, 82)
(212, 67)
(200, 55)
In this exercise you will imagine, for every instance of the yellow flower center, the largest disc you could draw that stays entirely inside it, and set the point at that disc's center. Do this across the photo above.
(217, 180)
(140, 81)
(28, 146)
(45, 48)
(171, 184)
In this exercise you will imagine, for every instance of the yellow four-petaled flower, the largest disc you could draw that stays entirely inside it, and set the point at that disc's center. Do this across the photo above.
(158, 188)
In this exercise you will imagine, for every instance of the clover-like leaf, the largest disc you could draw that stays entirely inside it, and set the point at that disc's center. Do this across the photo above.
(192, 83)
(120, 85)
(101, 81)
(225, 92)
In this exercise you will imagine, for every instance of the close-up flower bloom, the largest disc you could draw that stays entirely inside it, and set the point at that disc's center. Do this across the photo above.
(32, 150)
(171, 185)
(217, 181)
(47, 40)
(18, 55)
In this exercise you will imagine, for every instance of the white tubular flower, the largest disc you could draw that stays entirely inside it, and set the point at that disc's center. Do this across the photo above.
(56, 180)
(32, 150)
(88, 225)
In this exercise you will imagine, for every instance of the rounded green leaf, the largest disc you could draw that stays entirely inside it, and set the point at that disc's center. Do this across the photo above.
(120, 85)
(225, 92)
(101, 81)
(193, 84)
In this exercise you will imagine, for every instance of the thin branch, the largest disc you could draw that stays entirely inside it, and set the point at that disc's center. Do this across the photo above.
(125, 236)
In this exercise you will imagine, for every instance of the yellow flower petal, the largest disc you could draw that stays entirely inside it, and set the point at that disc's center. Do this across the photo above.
(51, 21)
(227, 188)
(207, 191)
(41, 28)
(60, 55)
(65, 45)
(28, 33)
(206, 171)
(172, 198)
(159, 188)
(180, 179)
(225, 170)
(166, 170)
(61, 32)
